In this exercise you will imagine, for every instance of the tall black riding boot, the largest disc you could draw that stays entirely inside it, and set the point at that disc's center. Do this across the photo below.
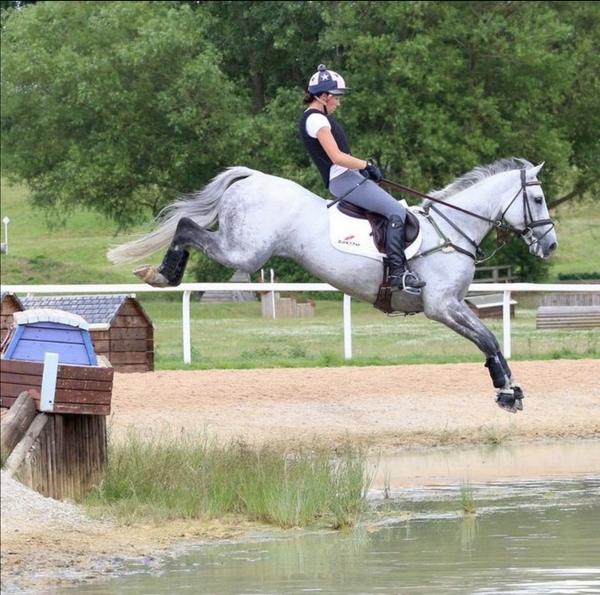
(400, 277)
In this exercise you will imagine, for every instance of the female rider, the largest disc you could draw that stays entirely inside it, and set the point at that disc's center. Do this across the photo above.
(356, 180)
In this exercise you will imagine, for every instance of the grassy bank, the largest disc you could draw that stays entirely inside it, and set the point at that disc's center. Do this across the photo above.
(164, 476)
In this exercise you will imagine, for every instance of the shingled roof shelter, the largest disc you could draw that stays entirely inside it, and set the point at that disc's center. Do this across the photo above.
(10, 304)
(119, 327)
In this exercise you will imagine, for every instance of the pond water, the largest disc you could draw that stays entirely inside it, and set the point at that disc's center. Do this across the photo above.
(532, 537)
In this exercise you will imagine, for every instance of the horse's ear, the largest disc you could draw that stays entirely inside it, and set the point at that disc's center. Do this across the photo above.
(534, 171)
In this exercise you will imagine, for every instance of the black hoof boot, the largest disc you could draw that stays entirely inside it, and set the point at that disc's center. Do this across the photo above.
(173, 266)
(511, 401)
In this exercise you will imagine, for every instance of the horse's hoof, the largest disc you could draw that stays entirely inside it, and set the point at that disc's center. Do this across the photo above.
(507, 406)
(510, 402)
(150, 275)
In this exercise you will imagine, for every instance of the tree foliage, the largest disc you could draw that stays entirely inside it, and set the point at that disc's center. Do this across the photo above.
(121, 106)
(113, 106)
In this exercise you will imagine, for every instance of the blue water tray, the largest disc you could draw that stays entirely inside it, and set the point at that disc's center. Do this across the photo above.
(39, 331)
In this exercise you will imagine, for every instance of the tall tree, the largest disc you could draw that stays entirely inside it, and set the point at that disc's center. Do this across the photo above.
(113, 106)
(267, 46)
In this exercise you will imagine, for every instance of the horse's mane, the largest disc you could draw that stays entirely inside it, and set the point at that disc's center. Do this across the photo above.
(478, 174)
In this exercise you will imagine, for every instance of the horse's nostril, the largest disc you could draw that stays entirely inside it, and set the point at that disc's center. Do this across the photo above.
(553, 247)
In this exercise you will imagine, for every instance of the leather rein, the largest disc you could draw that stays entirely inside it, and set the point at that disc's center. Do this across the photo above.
(498, 225)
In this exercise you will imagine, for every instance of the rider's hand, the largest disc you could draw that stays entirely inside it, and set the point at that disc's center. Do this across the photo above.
(372, 171)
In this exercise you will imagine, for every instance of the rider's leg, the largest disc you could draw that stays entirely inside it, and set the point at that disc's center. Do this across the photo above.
(400, 277)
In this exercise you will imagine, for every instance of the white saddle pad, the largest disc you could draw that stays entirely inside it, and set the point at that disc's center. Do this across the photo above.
(353, 235)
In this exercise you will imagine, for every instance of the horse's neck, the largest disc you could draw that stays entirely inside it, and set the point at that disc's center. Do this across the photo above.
(488, 199)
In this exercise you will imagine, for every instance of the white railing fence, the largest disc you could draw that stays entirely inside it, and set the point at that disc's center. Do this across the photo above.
(188, 288)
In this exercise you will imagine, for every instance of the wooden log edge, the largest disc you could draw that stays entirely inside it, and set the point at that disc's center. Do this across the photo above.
(20, 452)
(16, 422)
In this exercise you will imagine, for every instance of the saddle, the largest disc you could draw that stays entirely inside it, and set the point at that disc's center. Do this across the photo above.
(378, 225)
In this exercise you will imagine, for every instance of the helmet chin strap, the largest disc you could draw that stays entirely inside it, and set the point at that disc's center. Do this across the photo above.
(323, 103)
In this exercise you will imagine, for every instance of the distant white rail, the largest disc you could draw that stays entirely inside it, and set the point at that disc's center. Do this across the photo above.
(188, 288)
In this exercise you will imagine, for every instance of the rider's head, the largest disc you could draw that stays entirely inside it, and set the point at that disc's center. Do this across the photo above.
(326, 81)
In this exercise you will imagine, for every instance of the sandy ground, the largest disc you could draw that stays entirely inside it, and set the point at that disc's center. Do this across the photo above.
(382, 409)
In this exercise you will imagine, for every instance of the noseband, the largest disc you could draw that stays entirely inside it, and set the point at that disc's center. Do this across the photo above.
(528, 221)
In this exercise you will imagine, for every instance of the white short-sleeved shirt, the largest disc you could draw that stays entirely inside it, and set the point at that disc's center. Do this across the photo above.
(314, 123)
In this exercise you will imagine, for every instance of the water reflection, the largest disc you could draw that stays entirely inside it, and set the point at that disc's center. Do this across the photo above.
(529, 538)
(487, 463)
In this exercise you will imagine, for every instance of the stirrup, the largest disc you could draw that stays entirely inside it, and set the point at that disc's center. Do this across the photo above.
(406, 275)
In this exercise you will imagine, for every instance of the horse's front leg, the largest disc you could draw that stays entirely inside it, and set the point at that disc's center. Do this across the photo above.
(459, 317)
(171, 270)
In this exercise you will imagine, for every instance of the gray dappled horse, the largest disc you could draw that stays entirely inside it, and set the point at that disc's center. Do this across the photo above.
(244, 217)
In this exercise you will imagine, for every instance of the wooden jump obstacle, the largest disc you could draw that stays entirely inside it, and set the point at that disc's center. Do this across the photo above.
(489, 305)
(571, 311)
(58, 394)
(568, 317)
(274, 306)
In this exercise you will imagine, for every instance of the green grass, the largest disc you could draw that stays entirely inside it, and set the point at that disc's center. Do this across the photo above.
(578, 232)
(166, 476)
(467, 499)
(74, 254)
(235, 335)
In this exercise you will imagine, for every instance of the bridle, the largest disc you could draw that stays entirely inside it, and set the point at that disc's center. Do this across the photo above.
(528, 221)
(499, 225)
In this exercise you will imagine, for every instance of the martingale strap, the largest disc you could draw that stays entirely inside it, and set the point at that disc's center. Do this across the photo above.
(447, 245)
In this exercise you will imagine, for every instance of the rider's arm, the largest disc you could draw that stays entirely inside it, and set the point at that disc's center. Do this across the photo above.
(328, 143)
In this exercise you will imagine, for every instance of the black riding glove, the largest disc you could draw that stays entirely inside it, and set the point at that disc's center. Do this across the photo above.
(372, 172)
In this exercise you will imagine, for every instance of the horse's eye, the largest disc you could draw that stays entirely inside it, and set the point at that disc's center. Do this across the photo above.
(538, 200)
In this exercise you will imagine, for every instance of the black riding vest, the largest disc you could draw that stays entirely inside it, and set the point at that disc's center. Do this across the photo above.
(314, 148)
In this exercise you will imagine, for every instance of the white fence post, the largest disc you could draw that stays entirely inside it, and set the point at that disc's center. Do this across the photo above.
(187, 324)
(347, 327)
(506, 342)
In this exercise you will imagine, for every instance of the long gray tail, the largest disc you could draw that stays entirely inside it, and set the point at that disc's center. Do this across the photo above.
(201, 207)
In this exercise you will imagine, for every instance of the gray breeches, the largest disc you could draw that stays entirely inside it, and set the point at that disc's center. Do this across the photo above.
(353, 187)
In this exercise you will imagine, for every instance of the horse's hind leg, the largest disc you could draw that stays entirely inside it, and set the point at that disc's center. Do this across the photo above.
(214, 244)
(462, 320)
(170, 272)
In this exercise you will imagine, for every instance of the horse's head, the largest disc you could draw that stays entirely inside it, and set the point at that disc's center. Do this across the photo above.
(528, 215)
